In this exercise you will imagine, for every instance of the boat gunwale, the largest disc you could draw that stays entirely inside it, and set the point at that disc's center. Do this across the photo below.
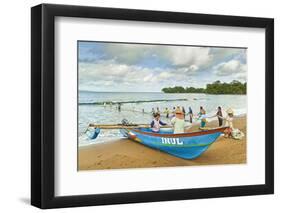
(179, 135)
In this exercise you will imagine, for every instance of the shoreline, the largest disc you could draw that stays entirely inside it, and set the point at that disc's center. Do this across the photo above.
(124, 153)
(152, 92)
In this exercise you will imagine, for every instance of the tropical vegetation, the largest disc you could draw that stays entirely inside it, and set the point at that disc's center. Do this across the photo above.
(217, 87)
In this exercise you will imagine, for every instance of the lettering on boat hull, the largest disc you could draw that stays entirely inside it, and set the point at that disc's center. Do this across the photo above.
(172, 141)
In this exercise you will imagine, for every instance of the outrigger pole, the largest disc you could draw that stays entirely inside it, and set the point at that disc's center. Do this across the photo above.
(121, 126)
(97, 127)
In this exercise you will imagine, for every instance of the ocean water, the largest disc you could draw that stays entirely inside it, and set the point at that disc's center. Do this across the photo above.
(136, 107)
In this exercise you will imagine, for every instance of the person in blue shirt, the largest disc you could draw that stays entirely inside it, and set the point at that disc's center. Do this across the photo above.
(156, 123)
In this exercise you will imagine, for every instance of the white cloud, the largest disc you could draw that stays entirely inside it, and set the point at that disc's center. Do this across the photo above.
(229, 68)
(178, 56)
(241, 76)
(110, 73)
(128, 53)
(188, 56)
(152, 67)
(165, 75)
(223, 53)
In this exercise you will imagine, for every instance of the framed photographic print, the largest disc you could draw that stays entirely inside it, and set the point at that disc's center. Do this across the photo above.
(139, 106)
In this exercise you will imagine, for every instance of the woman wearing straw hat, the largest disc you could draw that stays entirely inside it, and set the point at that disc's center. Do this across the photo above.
(178, 122)
(228, 122)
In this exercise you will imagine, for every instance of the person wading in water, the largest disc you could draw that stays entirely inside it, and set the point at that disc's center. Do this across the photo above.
(190, 113)
(219, 115)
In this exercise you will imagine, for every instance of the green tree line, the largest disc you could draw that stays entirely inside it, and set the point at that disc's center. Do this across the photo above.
(217, 87)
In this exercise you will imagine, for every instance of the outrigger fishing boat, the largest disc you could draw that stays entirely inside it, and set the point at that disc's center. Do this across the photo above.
(185, 145)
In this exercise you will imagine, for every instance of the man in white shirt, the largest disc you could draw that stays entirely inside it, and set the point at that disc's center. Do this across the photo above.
(178, 122)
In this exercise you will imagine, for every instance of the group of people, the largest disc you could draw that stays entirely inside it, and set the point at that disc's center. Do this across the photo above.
(172, 113)
(178, 119)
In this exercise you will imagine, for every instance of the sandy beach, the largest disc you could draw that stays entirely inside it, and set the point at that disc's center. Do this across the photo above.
(124, 153)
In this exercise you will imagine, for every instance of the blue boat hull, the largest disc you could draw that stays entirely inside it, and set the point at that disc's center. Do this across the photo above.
(186, 145)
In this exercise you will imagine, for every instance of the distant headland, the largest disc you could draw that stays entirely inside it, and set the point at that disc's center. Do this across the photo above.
(235, 87)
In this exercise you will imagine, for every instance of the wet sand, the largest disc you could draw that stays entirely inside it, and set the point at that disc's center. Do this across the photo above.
(124, 153)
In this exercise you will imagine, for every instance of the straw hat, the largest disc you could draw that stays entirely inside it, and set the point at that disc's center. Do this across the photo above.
(178, 111)
(229, 111)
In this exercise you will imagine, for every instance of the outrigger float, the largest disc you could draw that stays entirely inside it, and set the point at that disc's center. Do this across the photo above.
(185, 145)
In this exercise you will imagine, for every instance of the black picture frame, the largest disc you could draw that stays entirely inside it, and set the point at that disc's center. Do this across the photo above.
(43, 105)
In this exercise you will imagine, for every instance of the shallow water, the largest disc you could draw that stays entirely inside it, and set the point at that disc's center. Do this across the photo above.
(138, 110)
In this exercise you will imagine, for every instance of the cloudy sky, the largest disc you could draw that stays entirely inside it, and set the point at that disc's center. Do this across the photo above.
(149, 68)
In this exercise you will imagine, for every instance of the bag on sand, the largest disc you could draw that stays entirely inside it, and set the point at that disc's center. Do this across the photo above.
(237, 134)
